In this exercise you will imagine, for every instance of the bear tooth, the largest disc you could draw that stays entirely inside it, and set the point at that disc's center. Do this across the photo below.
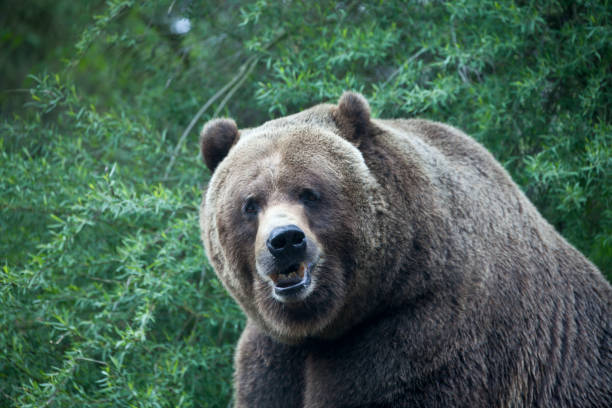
(301, 270)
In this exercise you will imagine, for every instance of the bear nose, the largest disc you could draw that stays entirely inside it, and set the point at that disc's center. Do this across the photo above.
(288, 241)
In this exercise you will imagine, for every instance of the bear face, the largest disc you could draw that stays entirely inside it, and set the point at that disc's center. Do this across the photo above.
(286, 218)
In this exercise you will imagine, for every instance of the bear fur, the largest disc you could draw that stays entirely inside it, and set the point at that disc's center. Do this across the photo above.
(433, 281)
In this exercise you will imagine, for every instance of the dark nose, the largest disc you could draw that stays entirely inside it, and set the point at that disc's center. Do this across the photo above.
(287, 241)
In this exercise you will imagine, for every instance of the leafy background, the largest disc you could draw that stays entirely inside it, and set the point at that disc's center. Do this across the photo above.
(107, 298)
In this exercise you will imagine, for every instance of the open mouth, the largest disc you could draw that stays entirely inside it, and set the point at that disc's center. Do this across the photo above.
(292, 280)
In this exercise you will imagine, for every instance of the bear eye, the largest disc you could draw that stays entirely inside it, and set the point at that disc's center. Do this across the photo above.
(308, 196)
(250, 207)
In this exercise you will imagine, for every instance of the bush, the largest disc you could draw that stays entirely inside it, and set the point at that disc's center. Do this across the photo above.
(107, 297)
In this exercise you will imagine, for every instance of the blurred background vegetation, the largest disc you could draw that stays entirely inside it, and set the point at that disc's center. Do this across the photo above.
(107, 299)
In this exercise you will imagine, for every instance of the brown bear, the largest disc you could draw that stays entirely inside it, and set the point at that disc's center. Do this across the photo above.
(394, 263)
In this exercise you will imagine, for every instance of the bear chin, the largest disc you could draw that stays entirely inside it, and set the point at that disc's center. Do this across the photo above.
(307, 312)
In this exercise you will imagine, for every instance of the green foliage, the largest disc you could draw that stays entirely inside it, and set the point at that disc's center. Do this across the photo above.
(107, 297)
(105, 289)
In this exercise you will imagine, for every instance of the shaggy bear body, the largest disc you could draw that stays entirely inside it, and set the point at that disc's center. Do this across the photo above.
(394, 263)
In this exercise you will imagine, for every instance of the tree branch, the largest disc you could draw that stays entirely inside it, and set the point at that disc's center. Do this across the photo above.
(179, 144)
(235, 88)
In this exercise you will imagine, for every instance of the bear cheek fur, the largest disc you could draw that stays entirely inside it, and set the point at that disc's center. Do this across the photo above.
(221, 223)
(230, 270)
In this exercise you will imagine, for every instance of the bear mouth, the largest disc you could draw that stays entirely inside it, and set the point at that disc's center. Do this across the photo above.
(292, 280)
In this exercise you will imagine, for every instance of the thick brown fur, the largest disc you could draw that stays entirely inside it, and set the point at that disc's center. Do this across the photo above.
(440, 284)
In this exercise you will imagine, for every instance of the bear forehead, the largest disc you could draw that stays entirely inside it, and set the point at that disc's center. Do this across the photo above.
(291, 139)
(281, 157)
(288, 153)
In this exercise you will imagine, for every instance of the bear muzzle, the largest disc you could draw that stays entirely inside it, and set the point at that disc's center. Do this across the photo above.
(287, 263)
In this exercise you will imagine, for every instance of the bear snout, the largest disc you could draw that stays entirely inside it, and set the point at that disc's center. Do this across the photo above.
(287, 243)
(287, 262)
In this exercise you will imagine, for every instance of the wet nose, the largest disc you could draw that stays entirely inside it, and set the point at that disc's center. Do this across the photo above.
(287, 241)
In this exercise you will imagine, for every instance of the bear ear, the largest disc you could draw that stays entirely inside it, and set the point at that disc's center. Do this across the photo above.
(352, 116)
(216, 139)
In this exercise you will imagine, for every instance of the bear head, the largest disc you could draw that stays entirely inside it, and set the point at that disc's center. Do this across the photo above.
(289, 217)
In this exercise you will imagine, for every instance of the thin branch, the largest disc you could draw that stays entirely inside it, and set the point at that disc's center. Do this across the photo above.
(91, 360)
(27, 372)
(60, 211)
(203, 109)
(234, 89)
(113, 281)
(57, 388)
(243, 73)
(462, 70)
(16, 90)
(187, 323)
(80, 53)
(171, 7)
(401, 67)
